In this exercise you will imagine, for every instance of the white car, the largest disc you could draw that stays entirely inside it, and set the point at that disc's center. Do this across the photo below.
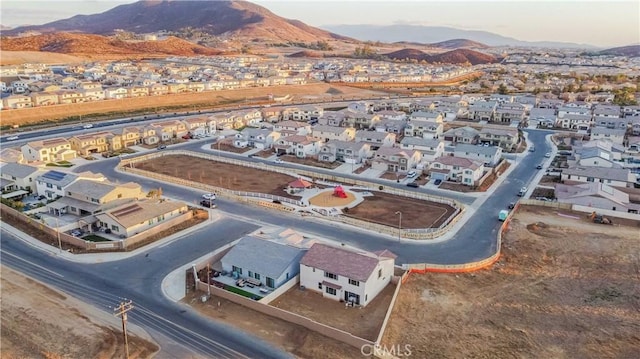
(547, 155)
(12, 138)
(87, 126)
(277, 160)
(209, 196)
(411, 174)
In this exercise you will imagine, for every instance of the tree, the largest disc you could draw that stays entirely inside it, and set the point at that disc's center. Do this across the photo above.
(502, 89)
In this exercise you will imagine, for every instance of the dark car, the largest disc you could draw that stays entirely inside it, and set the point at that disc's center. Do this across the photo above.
(413, 184)
(539, 167)
(437, 182)
(162, 147)
(512, 205)
(207, 203)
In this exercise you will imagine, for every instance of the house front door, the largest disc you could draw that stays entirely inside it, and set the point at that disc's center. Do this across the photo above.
(351, 297)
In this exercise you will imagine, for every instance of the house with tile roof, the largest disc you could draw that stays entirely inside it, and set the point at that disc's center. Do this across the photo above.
(462, 170)
(490, 155)
(49, 150)
(596, 195)
(346, 275)
(614, 135)
(395, 159)
(133, 218)
(615, 177)
(344, 151)
(507, 138)
(15, 176)
(300, 146)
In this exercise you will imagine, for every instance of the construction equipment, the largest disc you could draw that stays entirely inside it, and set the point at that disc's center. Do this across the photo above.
(598, 218)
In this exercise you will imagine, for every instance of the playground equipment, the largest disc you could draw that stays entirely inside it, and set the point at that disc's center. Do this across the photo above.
(598, 218)
(339, 192)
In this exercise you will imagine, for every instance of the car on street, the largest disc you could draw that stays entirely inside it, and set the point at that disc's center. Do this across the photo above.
(413, 184)
(162, 147)
(532, 149)
(512, 205)
(278, 160)
(547, 155)
(437, 182)
(208, 203)
(523, 190)
(411, 174)
(539, 167)
(209, 196)
(12, 138)
(87, 126)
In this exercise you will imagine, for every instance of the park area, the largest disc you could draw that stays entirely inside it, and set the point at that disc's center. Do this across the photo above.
(564, 288)
(379, 208)
(39, 322)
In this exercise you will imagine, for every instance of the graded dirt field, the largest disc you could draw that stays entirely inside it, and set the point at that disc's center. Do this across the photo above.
(382, 207)
(563, 288)
(39, 322)
(203, 100)
(295, 339)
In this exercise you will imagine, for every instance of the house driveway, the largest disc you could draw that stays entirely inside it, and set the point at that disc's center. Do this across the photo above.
(346, 168)
(371, 173)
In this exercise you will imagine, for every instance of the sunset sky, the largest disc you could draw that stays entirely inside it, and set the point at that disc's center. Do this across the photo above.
(601, 23)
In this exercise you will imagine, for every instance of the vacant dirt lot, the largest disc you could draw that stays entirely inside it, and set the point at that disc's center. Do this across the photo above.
(564, 288)
(363, 322)
(207, 99)
(295, 339)
(381, 208)
(38, 322)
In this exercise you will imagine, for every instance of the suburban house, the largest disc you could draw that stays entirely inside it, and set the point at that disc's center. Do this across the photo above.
(360, 120)
(392, 115)
(430, 148)
(256, 137)
(508, 114)
(292, 128)
(345, 151)
(133, 218)
(326, 133)
(391, 126)
(300, 146)
(610, 134)
(394, 159)
(612, 122)
(50, 150)
(462, 170)
(198, 126)
(431, 116)
(482, 110)
(423, 128)
(616, 177)
(596, 195)
(376, 139)
(506, 138)
(265, 261)
(15, 177)
(594, 156)
(150, 135)
(575, 121)
(97, 142)
(85, 197)
(16, 101)
(53, 184)
(489, 156)
(610, 111)
(44, 98)
(464, 134)
(332, 118)
(170, 129)
(542, 117)
(346, 275)
(305, 113)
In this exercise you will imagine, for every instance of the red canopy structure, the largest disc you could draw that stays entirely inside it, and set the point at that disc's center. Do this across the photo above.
(300, 183)
(339, 192)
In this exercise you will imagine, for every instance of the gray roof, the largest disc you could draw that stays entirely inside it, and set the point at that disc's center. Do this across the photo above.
(616, 174)
(339, 144)
(330, 129)
(462, 131)
(340, 261)
(542, 113)
(486, 151)
(268, 258)
(92, 189)
(57, 178)
(417, 141)
(17, 170)
(372, 134)
(608, 131)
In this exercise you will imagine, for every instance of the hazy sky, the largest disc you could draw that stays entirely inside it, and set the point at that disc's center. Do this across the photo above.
(601, 23)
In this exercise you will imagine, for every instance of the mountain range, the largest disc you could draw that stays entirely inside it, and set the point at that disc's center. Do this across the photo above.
(434, 34)
(458, 56)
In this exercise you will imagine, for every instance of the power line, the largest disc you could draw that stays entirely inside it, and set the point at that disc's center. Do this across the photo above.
(121, 311)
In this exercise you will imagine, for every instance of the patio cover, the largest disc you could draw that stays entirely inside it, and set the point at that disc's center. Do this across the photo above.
(300, 183)
(14, 194)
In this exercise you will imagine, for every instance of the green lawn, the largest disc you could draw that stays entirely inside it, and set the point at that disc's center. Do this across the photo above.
(243, 293)
(94, 238)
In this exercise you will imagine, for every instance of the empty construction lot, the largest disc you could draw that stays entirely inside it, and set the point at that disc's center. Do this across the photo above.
(379, 208)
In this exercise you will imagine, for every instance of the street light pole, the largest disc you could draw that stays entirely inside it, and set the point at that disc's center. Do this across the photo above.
(58, 234)
(399, 224)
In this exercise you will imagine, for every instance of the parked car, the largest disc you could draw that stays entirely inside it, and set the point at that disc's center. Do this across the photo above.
(12, 138)
(209, 196)
(278, 160)
(539, 167)
(512, 205)
(411, 174)
(547, 155)
(523, 190)
(532, 149)
(87, 126)
(413, 184)
(208, 203)
(162, 147)
(437, 182)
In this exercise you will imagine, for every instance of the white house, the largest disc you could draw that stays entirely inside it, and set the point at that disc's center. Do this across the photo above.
(376, 139)
(616, 177)
(326, 133)
(345, 275)
(424, 129)
(256, 137)
(490, 156)
(345, 151)
(430, 148)
(611, 134)
(462, 170)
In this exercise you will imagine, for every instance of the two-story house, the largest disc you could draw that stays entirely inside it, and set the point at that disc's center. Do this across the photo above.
(615, 177)
(197, 126)
(345, 151)
(256, 138)
(610, 134)
(432, 116)
(300, 146)
(97, 142)
(326, 133)
(542, 117)
(289, 127)
(430, 148)
(50, 150)
(424, 129)
(85, 197)
(462, 170)
(17, 176)
(376, 139)
(360, 120)
(346, 275)
(394, 159)
(332, 118)
(507, 138)
(464, 134)
(482, 110)
(489, 156)
(170, 129)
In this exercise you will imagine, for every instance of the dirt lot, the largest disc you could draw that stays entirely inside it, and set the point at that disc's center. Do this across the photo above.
(207, 99)
(362, 322)
(564, 288)
(381, 208)
(295, 339)
(310, 162)
(38, 322)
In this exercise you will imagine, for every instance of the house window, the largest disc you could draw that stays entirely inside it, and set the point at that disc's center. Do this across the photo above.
(330, 275)
(256, 276)
(330, 290)
(151, 221)
(68, 193)
(49, 185)
(250, 274)
(354, 282)
(380, 273)
(115, 228)
(589, 179)
(270, 283)
(95, 200)
(236, 269)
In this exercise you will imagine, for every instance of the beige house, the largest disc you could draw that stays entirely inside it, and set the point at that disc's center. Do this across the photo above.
(97, 142)
(44, 99)
(167, 130)
(462, 170)
(70, 96)
(116, 93)
(150, 135)
(292, 127)
(85, 197)
(51, 150)
(300, 146)
(327, 133)
(506, 138)
(424, 129)
(16, 101)
(394, 159)
(130, 219)
(138, 91)
(158, 90)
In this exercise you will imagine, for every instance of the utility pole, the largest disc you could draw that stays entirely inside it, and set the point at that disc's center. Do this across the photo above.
(58, 235)
(121, 311)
